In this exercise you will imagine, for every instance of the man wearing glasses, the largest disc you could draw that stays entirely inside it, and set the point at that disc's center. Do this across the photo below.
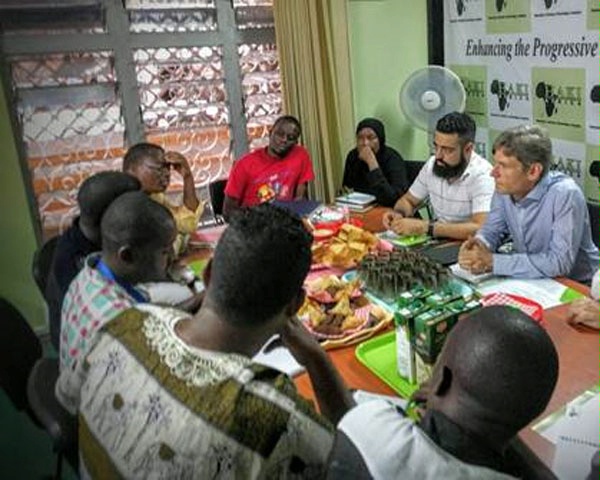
(456, 180)
(280, 171)
(152, 166)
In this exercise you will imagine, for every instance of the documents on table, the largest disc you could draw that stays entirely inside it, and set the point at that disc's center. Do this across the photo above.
(575, 432)
(545, 291)
(278, 357)
(473, 278)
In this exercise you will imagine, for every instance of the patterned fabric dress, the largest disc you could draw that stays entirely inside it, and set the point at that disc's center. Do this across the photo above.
(153, 407)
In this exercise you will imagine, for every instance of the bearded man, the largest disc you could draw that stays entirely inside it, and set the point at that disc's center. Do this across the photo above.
(455, 180)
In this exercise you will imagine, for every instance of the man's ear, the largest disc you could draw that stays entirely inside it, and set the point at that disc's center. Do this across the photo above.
(296, 303)
(207, 273)
(125, 254)
(443, 382)
(535, 171)
(468, 149)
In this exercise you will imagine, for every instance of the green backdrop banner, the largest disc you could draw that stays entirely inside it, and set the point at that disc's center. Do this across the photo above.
(531, 61)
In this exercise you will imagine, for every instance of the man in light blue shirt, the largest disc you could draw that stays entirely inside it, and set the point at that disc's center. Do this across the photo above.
(545, 214)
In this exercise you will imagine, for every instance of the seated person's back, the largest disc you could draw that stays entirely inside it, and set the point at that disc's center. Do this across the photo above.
(81, 238)
(164, 393)
(373, 167)
(137, 237)
(495, 374)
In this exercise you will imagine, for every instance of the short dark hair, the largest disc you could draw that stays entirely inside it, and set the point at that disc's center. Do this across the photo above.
(98, 191)
(289, 119)
(136, 155)
(136, 220)
(504, 362)
(529, 144)
(459, 123)
(259, 264)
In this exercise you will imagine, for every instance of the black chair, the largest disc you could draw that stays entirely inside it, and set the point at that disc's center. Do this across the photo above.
(58, 422)
(594, 211)
(216, 190)
(20, 348)
(42, 261)
(28, 380)
(413, 167)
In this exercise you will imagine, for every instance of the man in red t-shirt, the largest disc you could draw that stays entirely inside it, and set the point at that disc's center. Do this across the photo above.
(280, 171)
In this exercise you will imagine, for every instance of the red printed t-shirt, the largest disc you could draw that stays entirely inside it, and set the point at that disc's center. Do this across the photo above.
(258, 177)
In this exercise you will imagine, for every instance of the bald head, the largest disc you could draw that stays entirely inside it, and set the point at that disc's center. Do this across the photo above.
(137, 237)
(96, 194)
(499, 364)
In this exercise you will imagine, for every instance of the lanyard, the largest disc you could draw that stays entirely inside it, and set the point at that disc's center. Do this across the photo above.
(130, 289)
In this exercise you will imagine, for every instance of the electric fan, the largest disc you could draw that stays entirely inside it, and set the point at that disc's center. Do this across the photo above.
(430, 93)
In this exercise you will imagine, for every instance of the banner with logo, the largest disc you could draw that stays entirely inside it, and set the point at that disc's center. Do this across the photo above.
(531, 61)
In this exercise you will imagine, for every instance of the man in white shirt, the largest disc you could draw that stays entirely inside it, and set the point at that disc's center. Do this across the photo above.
(455, 179)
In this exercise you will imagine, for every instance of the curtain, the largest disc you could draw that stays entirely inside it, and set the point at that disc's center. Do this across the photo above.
(312, 41)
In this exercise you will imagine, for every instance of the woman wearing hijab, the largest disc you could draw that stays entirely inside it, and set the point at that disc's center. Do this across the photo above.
(373, 167)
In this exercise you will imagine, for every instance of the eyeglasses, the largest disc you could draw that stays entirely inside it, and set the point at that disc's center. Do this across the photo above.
(290, 137)
(443, 149)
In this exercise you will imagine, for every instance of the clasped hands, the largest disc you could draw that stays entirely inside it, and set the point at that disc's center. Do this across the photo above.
(475, 257)
(400, 225)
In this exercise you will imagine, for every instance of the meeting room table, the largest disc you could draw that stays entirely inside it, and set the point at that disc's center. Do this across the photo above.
(578, 353)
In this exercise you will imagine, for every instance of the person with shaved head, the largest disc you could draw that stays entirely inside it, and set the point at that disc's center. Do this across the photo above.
(495, 374)
(137, 237)
(81, 238)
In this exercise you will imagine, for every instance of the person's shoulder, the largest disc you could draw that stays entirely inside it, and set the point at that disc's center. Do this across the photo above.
(251, 157)
(393, 154)
(298, 152)
(479, 165)
(379, 411)
(561, 184)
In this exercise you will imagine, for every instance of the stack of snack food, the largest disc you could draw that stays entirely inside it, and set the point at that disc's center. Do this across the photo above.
(346, 248)
(338, 310)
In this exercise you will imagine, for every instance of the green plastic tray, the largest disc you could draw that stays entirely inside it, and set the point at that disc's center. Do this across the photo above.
(379, 355)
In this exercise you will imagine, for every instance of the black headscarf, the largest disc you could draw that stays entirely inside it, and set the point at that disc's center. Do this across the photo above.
(386, 183)
(376, 126)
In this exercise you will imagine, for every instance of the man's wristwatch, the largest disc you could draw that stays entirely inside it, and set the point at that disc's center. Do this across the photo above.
(430, 228)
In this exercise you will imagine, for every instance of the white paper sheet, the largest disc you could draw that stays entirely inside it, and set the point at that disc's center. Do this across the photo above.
(546, 291)
(278, 358)
(578, 440)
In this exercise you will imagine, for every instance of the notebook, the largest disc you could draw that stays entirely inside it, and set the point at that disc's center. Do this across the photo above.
(356, 198)
(460, 272)
(445, 254)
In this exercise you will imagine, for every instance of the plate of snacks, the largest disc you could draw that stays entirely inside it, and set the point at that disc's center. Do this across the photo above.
(346, 248)
(338, 313)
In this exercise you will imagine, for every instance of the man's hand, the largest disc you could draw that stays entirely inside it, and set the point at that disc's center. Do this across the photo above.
(406, 226)
(303, 346)
(584, 311)
(179, 163)
(475, 257)
(181, 166)
(389, 217)
(366, 155)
